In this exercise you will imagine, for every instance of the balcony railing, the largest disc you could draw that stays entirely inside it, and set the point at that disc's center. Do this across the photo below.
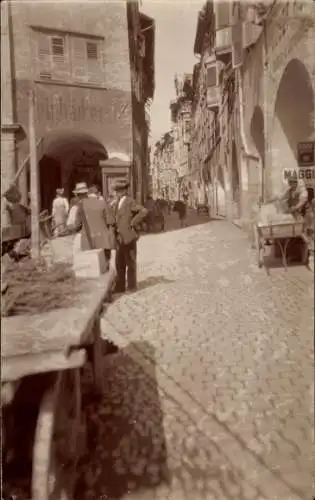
(213, 97)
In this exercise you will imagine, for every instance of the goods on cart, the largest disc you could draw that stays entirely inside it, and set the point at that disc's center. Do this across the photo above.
(273, 222)
(31, 287)
(42, 356)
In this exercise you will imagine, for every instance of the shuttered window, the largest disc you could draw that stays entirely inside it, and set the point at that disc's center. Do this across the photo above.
(79, 60)
(44, 66)
(53, 57)
(237, 36)
(68, 58)
(86, 61)
(222, 14)
(212, 76)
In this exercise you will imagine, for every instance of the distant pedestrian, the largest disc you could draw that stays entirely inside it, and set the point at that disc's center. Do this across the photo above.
(60, 210)
(181, 208)
(94, 192)
(128, 216)
(150, 218)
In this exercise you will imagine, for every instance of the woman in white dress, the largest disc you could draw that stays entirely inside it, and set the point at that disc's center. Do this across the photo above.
(60, 210)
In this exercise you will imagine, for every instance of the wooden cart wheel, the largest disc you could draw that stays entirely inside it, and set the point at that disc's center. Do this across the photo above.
(55, 451)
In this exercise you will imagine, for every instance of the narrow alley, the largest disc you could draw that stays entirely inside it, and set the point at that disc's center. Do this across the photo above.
(210, 394)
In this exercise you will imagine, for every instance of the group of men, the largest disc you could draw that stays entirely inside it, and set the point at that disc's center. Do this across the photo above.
(109, 226)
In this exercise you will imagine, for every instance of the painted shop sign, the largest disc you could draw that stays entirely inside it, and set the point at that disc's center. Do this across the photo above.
(59, 109)
(306, 153)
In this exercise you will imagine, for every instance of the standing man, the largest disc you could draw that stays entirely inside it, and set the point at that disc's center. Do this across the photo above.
(128, 215)
(181, 209)
(95, 219)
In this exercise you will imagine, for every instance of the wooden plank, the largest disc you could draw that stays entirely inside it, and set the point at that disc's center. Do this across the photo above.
(20, 366)
(34, 178)
(97, 359)
(59, 329)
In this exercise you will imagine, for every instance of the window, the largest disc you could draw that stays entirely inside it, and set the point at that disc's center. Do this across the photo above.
(85, 59)
(52, 57)
(68, 58)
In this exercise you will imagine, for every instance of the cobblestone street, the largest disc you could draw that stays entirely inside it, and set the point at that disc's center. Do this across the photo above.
(211, 393)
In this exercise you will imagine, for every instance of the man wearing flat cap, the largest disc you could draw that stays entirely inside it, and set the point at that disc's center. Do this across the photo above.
(128, 215)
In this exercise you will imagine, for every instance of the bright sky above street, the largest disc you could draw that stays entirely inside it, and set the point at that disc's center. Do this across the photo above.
(176, 22)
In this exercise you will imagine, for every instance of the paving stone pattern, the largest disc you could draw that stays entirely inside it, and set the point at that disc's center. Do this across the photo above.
(211, 394)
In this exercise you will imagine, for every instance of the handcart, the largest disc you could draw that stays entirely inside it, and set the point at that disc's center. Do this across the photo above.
(281, 234)
(41, 360)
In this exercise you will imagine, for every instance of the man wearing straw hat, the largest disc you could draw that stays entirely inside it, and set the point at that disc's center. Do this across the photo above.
(128, 215)
(295, 197)
(96, 220)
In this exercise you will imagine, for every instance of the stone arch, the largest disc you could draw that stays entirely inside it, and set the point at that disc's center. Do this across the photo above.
(68, 157)
(293, 118)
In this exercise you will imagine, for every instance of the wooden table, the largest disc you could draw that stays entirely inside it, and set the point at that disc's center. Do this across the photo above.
(50, 349)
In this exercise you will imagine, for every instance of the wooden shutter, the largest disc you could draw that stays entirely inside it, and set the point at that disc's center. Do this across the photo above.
(60, 58)
(222, 14)
(44, 56)
(212, 76)
(79, 59)
(93, 62)
(237, 37)
(141, 45)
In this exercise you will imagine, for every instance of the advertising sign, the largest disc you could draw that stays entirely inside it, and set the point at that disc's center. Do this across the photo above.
(306, 154)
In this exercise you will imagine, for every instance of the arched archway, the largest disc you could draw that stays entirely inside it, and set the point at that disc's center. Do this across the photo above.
(235, 183)
(293, 118)
(69, 157)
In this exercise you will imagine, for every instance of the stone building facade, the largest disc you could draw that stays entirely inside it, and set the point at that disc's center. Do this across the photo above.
(164, 172)
(91, 69)
(260, 88)
(205, 116)
(181, 108)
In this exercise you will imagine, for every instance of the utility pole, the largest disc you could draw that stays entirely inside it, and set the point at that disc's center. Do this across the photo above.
(34, 178)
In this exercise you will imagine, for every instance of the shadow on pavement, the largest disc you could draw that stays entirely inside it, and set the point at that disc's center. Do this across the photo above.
(152, 281)
(126, 449)
(142, 285)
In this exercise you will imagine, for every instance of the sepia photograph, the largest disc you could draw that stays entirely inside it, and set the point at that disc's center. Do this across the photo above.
(157, 249)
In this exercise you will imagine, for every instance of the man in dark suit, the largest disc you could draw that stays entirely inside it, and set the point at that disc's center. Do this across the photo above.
(128, 215)
(95, 218)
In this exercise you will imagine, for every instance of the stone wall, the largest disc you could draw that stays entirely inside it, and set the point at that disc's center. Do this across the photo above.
(104, 111)
(287, 43)
(275, 115)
